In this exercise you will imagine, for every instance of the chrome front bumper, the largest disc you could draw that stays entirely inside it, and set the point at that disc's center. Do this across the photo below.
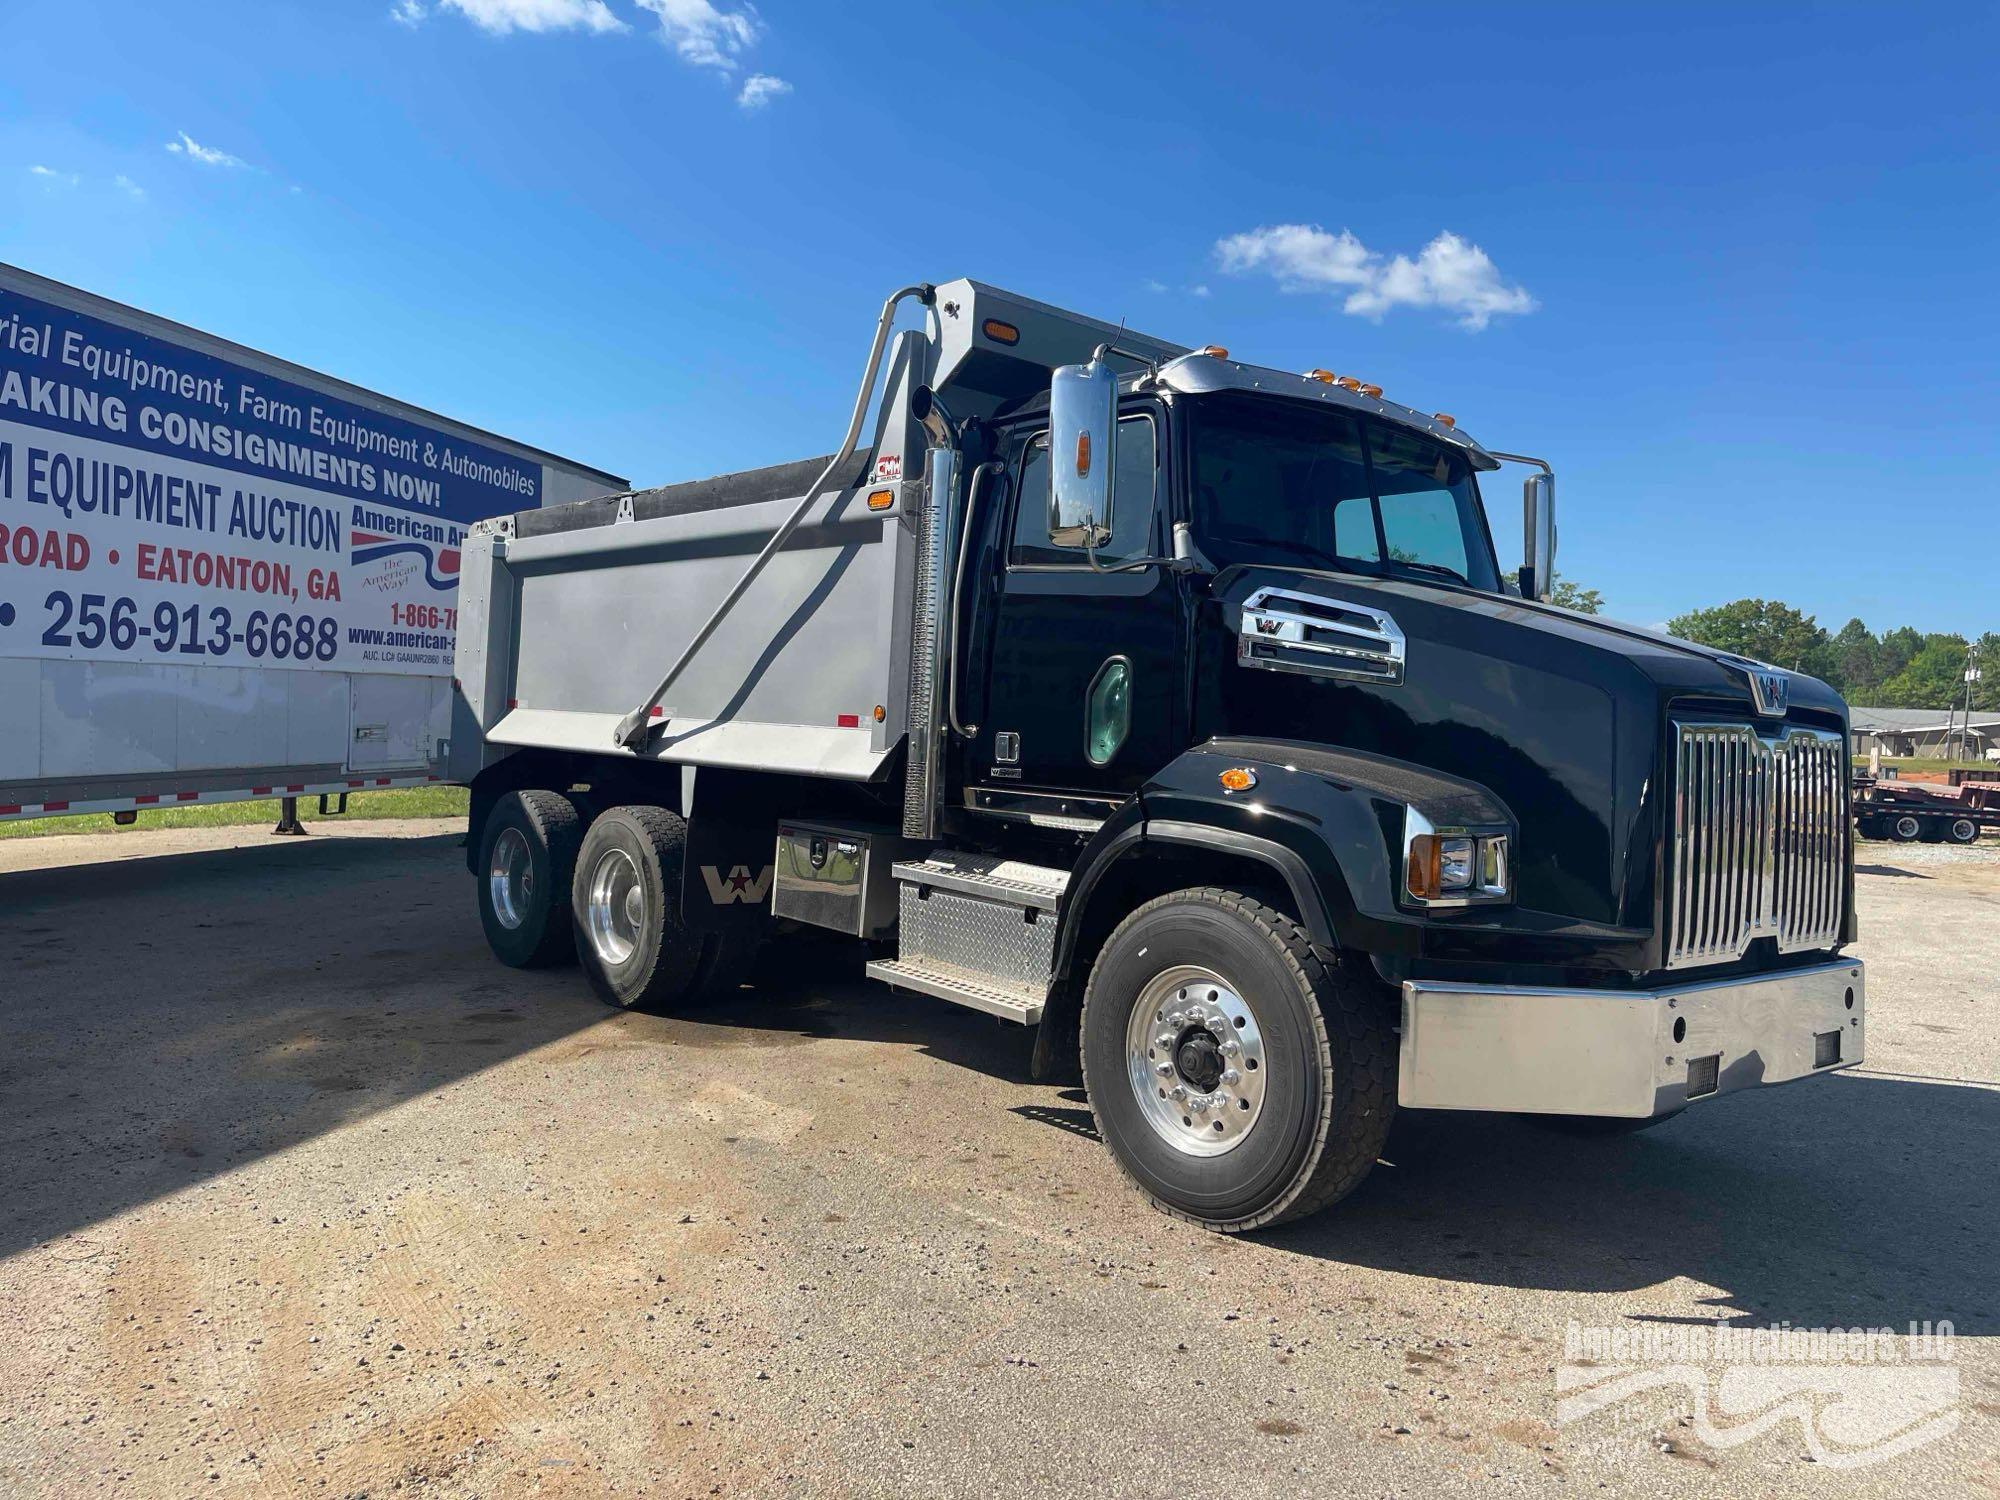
(1631, 1054)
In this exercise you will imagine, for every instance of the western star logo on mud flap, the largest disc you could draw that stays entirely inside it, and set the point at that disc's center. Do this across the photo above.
(738, 885)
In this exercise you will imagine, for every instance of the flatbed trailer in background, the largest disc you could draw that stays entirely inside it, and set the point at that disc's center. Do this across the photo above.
(222, 575)
(1909, 813)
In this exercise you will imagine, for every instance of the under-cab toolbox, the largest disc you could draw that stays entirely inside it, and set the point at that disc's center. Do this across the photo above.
(1176, 708)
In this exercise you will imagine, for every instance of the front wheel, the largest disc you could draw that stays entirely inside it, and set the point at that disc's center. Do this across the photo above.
(1239, 1080)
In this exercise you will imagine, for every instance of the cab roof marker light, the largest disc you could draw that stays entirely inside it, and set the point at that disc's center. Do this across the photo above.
(1445, 417)
(1373, 391)
(1213, 351)
(1347, 382)
(1326, 377)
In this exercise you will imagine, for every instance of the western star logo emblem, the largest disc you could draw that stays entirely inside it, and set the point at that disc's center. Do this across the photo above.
(1771, 689)
(740, 884)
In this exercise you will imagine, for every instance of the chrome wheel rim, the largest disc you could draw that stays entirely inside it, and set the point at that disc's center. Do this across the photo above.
(510, 879)
(617, 907)
(1194, 1056)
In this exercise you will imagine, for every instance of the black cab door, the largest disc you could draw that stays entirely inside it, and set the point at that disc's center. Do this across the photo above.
(1084, 670)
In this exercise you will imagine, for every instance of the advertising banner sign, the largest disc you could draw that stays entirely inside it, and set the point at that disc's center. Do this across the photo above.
(159, 503)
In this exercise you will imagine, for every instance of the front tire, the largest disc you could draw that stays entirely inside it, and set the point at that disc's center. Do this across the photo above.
(626, 904)
(1239, 1080)
(527, 850)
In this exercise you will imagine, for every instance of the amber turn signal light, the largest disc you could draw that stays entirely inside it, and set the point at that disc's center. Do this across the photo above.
(881, 499)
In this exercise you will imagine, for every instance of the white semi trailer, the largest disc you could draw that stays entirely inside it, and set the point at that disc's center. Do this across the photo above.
(223, 575)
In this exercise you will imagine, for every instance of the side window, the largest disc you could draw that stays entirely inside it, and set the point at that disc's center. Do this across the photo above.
(1132, 500)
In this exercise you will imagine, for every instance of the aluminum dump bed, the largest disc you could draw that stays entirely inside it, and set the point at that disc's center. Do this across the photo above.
(569, 617)
(562, 631)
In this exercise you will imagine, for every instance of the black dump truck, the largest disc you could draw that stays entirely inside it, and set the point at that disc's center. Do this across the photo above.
(1177, 708)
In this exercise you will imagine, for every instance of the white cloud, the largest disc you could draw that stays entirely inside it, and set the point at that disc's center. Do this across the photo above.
(1450, 272)
(407, 12)
(128, 187)
(503, 16)
(52, 178)
(1153, 284)
(208, 156)
(759, 89)
(703, 33)
(1199, 289)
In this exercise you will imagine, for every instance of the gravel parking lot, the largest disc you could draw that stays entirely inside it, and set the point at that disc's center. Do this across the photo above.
(305, 1193)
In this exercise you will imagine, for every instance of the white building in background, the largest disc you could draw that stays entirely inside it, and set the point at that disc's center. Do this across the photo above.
(1925, 731)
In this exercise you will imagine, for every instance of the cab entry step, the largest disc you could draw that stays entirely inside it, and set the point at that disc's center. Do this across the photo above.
(976, 930)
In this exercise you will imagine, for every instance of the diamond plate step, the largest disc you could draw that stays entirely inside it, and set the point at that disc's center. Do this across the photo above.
(1009, 881)
(959, 987)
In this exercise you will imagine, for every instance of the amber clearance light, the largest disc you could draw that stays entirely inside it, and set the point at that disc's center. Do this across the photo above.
(1237, 779)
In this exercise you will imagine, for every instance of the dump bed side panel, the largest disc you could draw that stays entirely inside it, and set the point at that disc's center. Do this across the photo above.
(790, 681)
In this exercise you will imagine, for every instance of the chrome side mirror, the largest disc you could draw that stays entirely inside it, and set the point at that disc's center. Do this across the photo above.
(1083, 427)
(1538, 536)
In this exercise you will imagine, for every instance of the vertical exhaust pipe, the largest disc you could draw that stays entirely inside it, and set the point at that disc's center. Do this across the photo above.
(931, 611)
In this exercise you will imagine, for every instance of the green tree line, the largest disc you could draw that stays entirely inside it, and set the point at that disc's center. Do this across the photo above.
(1900, 668)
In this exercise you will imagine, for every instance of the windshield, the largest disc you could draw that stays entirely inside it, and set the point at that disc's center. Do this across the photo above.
(1280, 482)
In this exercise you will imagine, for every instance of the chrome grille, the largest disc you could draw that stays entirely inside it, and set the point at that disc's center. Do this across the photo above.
(1760, 843)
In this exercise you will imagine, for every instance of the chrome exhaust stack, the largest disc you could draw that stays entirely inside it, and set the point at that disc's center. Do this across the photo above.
(931, 612)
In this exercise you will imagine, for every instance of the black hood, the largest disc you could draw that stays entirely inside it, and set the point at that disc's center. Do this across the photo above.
(1563, 717)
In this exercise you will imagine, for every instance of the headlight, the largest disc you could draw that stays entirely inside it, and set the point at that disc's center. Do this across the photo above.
(1453, 867)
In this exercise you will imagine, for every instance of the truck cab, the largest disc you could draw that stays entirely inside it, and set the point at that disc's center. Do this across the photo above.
(1178, 708)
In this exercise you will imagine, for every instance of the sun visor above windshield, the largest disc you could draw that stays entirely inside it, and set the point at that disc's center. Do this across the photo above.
(1198, 374)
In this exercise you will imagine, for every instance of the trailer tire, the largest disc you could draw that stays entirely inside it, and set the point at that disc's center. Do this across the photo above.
(1962, 831)
(1905, 828)
(625, 902)
(527, 851)
(1311, 1045)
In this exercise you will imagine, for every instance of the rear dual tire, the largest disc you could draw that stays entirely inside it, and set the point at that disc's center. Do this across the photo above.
(635, 948)
(1239, 1080)
(527, 853)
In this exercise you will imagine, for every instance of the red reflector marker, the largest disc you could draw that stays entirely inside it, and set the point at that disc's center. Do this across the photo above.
(148, 798)
(513, 702)
(849, 721)
(9, 809)
(186, 796)
(381, 781)
(357, 783)
(656, 712)
(298, 788)
(260, 791)
(55, 807)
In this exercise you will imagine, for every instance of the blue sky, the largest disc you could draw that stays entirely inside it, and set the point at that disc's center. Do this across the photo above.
(1735, 272)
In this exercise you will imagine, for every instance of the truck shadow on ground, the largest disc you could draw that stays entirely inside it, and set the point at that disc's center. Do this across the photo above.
(1850, 1201)
(1858, 1200)
(165, 1019)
